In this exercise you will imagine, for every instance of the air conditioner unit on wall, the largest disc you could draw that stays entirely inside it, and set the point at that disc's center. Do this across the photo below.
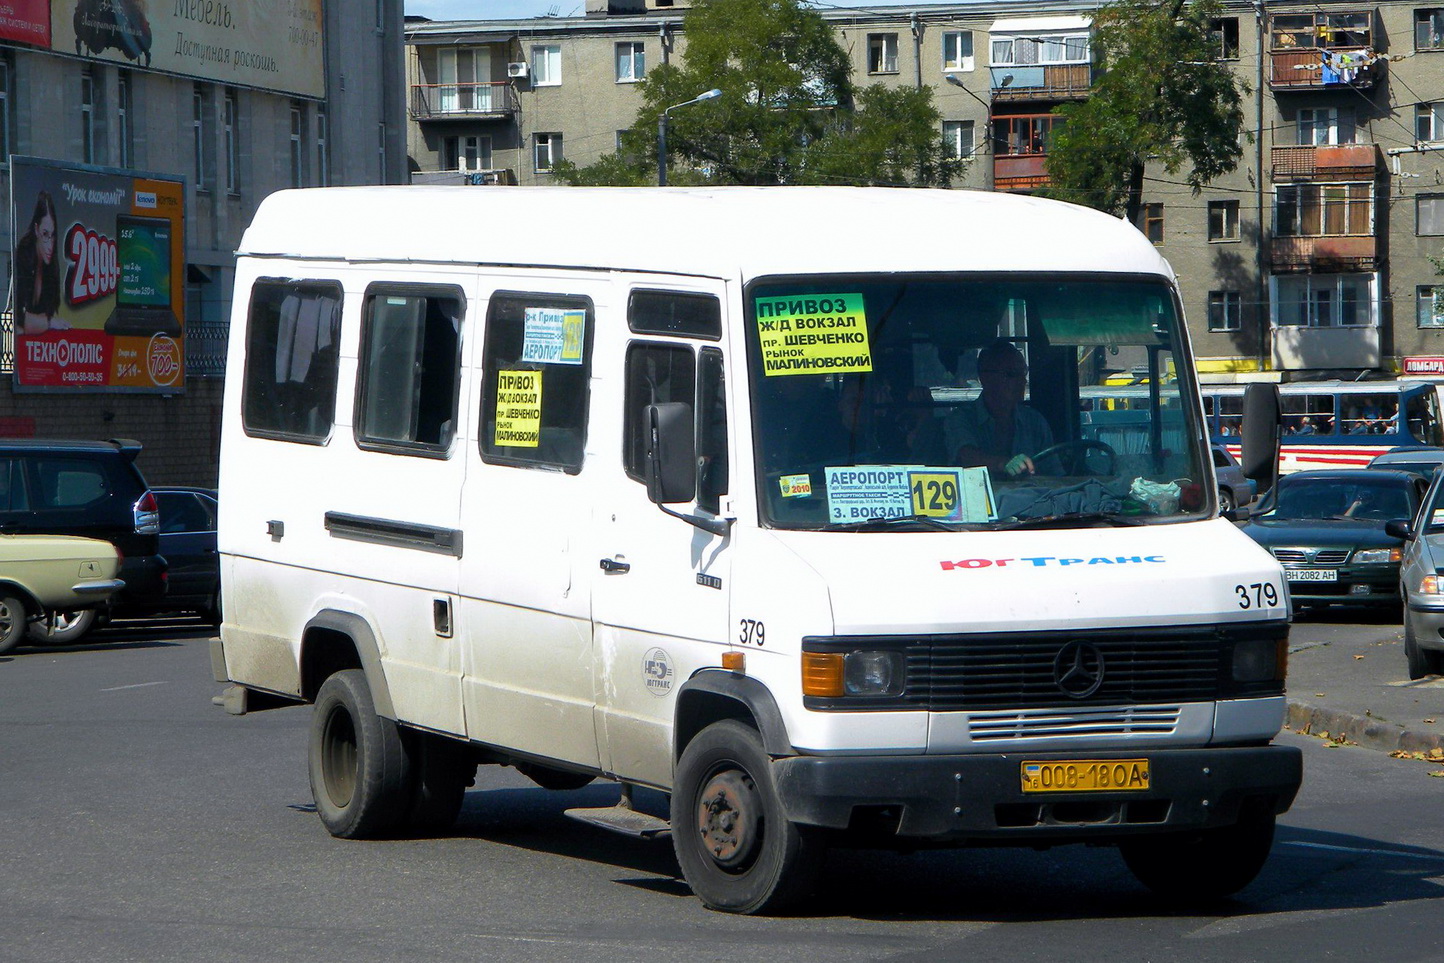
(518, 69)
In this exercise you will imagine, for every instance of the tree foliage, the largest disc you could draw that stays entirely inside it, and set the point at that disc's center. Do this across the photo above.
(1163, 96)
(788, 113)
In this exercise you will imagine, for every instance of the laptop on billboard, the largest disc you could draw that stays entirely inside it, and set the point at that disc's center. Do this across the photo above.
(142, 297)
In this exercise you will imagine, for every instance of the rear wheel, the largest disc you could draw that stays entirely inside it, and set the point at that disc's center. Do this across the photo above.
(736, 847)
(63, 628)
(1226, 501)
(12, 621)
(1201, 866)
(360, 777)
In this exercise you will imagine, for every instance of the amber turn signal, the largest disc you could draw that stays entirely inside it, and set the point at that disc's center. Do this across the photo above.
(734, 661)
(822, 674)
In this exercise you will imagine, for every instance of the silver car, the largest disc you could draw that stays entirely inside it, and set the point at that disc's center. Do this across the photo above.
(1421, 584)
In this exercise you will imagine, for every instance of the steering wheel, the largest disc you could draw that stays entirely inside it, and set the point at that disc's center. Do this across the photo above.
(1073, 454)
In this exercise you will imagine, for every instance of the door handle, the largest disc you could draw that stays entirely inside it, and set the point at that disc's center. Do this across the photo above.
(613, 566)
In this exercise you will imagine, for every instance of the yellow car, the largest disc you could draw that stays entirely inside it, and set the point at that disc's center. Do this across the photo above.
(42, 574)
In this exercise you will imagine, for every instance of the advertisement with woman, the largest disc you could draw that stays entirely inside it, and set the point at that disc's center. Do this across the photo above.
(97, 277)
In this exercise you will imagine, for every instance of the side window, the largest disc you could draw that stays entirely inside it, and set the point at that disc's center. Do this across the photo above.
(711, 432)
(70, 482)
(13, 495)
(292, 336)
(410, 369)
(537, 361)
(675, 313)
(656, 374)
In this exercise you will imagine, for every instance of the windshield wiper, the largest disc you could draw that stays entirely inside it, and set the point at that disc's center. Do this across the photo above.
(1074, 520)
(878, 523)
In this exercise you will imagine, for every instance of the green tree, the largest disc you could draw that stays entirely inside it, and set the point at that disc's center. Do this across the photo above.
(788, 113)
(1163, 95)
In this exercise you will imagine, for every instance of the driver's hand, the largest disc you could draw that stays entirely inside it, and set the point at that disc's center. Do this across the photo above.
(1018, 465)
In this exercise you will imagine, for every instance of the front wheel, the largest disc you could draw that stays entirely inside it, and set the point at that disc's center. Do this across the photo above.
(63, 628)
(1201, 866)
(736, 847)
(12, 621)
(360, 776)
(1422, 662)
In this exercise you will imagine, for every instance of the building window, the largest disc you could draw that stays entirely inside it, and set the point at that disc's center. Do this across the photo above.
(381, 168)
(1429, 29)
(631, 63)
(1153, 222)
(882, 53)
(1223, 221)
(548, 151)
(1224, 31)
(1323, 300)
(1224, 310)
(1325, 126)
(1324, 210)
(203, 125)
(1040, 50)
(469, 152)
(298, 145)
(1429, 122)
(7, 74)
(1321, 31)
(958, 137)
(958, 50)
(1024, 134)
(323, 150)
(1430, 215)
(124, 144)
(87, 115)
(1431, 306)
(232, 120)
(464, 74)
(546, 65)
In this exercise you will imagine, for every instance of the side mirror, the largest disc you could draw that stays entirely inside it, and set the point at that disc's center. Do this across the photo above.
(1261, 420)
(1398, 528)
(671, 453)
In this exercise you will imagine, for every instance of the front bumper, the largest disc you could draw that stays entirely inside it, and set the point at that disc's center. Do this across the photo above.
(980, 797)
(1372, 584)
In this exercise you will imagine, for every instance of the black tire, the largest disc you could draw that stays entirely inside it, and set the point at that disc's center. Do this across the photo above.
(441, 771)
(1422, 662)
(1201, 866)
(736, 847)
(360, 773)
(13, 619)
(556, 780)
(68, 628)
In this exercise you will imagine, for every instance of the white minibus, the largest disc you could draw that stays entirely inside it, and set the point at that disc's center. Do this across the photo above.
(785, 503)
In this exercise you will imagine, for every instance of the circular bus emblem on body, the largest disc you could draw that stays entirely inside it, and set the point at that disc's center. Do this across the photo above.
(1078, 669)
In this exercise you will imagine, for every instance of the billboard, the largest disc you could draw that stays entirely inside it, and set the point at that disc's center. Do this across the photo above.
(27, 21)
(97, 278)
(271, 44)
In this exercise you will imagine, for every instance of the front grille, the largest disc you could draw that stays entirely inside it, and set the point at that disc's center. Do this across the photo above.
(1303, 556)
(1045, 723)
(1159, 667)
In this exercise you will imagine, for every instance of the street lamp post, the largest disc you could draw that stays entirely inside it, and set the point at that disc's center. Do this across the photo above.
(662, 132)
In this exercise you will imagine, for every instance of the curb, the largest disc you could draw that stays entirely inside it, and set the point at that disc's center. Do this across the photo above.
(1371, 733)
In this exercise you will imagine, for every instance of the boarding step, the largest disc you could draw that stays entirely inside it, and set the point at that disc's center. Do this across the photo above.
(624, 818)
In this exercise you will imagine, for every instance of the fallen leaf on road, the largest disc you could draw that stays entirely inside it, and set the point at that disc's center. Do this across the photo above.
(1357, 657)
(1430, 721)
(1438, 773)
(1318, 695)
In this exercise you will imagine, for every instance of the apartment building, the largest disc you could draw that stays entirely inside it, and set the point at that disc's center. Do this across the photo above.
(232, 102)
(1312, 259)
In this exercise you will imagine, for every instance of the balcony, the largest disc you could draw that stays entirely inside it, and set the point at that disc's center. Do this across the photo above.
(1301, 348)
(1353, 162)
(1318, 68)
(1059, 82)
(1324, 255)
(490, 101)
(1020, 172)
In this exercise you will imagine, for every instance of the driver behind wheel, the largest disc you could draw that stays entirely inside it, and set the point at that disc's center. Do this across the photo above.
(996, 430)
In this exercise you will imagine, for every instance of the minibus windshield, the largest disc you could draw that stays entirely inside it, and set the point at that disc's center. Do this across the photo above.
(957, 402)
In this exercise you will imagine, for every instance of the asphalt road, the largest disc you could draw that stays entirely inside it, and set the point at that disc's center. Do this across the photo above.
(140, 822)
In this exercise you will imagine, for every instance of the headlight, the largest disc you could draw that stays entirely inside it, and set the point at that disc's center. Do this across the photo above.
(1378, 555)
(868, 672)
(1260, 660)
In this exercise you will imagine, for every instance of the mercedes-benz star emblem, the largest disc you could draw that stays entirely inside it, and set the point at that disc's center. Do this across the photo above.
(1078, 669)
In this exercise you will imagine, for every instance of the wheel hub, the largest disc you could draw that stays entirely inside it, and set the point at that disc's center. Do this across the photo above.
(727, 818)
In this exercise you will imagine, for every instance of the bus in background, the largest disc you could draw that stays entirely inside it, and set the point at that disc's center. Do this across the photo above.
(1334, 424)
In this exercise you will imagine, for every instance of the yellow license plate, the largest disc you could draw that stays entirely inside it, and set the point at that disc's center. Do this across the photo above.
(1085, 775)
